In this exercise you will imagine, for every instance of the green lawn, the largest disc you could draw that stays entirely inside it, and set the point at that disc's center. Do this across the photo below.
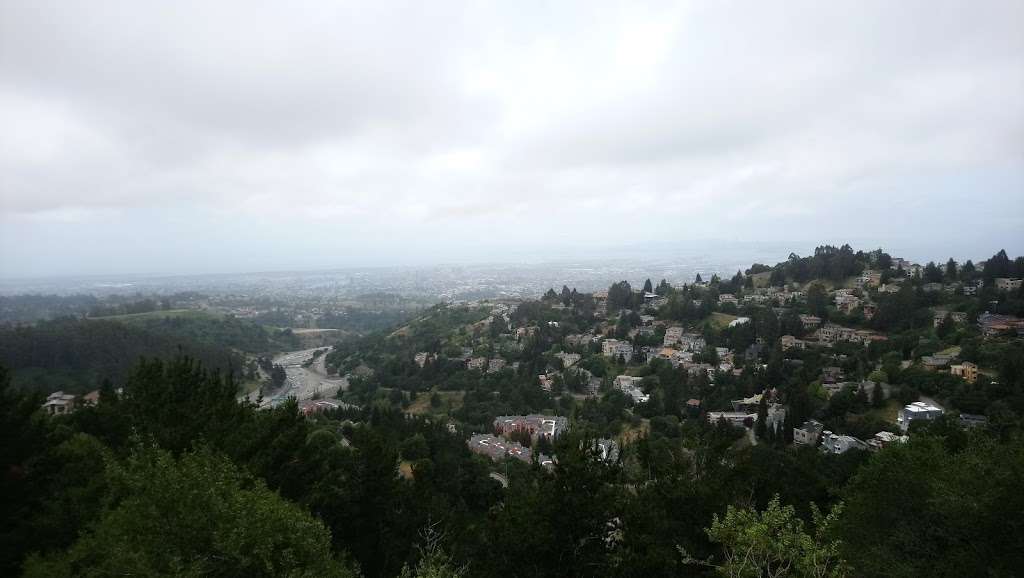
(887, 412)
(721, 320)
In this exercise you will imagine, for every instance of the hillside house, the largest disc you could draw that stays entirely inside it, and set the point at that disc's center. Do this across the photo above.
(808, 433)
(965, 370)
(789, 342)
(1007, 284)
(613, 348)
(883, 439)
(630, 386)
(672, 336)
(917, 411)
(809, 321)
(940, 315)
(692, 342)
(60, 403)
(840, 444)
(992, 324)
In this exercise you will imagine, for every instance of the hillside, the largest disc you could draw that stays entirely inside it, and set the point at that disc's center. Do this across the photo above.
(212, 330)
(76, 354)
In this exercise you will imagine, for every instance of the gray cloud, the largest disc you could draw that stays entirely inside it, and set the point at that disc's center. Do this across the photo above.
(454, 128)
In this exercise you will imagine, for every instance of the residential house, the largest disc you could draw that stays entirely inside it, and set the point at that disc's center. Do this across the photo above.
(579, 340)
(831, 374)
(965, 370)
(809, 321)
(789, 342)
(992, 324)
(1005, 284)
(756, 299)
(692, 342)
(808, 433)
(917, 411)
(569, 359)
(968, 420)
(940, 315)
(614, 348)
(748, 404)
(832, 333)
(840, 444)
(727, 298)
(883, 439)
(934, 362)
(60, 403)
(91, 398)
(869, 279)
(681, 357)
(477, 363)
(421, 358)
(495, 365)
(672, 336)
(630, 386)
(735, 418)
(845, 301)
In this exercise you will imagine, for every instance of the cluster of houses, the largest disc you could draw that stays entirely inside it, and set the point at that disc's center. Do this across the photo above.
(60, 403)
(992, 324)
(497, 446)
(687, 349)
(744, 412)
(813, 434)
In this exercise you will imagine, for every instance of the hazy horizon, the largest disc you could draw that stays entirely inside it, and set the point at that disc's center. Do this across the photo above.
(194, 138)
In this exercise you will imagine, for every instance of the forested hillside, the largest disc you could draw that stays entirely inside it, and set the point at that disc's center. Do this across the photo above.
(77, 354)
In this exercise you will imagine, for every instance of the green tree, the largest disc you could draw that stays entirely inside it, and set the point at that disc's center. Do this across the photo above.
(434, 562)
(817, 300)
(773, 543)
(197, 515)
(877, 396)
(951, 270)
(930, 508)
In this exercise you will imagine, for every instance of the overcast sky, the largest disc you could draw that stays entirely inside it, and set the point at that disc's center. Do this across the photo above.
(206, 136)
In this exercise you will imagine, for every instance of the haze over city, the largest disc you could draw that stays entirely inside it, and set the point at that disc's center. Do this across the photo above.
(197, 138)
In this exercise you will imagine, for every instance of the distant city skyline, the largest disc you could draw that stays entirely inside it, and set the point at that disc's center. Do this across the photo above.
(192, 138)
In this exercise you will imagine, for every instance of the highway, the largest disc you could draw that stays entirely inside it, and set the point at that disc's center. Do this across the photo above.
(303, 383)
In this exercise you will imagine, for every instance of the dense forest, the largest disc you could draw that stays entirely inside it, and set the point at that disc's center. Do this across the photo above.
(76, 354)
